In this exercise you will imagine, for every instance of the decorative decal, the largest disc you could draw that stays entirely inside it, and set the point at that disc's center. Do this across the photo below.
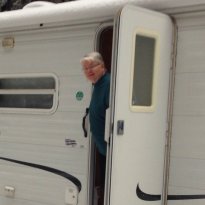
(79, 95)
(147, 197)
(152, 197)
(71, 178)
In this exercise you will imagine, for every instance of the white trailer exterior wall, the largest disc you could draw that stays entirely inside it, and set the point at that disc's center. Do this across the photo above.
(39, 137)
(187, 140)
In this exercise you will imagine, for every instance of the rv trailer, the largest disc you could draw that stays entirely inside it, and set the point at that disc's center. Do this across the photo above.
(155, 52)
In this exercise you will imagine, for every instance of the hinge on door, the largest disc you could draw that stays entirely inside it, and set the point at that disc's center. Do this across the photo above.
(174, 45)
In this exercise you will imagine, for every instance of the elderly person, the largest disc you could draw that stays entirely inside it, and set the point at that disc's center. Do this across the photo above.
(95, 71)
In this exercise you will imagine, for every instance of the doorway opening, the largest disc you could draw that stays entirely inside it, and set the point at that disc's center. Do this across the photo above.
(104, 47)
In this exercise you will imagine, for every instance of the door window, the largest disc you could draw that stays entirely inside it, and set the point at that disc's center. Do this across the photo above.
(143, 75)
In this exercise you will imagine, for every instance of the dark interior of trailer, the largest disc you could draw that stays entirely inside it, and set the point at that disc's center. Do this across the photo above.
(105, 38)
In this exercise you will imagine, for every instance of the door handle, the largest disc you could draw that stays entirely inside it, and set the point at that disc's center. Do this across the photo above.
(120, 127)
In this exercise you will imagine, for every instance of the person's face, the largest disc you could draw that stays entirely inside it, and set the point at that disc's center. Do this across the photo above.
(93, 70)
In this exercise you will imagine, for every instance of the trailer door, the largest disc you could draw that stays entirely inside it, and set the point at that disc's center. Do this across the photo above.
(139, 106)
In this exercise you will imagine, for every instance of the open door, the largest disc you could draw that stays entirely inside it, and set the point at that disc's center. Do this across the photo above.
(139, 106)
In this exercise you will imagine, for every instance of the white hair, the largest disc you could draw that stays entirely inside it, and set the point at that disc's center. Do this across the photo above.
(93, 56)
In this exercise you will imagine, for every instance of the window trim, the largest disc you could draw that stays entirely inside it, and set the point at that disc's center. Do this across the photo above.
(54, 91)
(149, 34)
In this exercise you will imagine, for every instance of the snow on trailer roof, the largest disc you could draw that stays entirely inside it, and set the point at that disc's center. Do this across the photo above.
(81, 10)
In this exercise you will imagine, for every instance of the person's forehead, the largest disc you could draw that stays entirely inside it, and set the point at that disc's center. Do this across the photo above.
(89, 62)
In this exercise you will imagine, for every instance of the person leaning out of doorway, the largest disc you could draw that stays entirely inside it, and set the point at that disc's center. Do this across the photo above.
(95, 71)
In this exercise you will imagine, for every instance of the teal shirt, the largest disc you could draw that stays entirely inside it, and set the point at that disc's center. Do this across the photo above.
(97, 110)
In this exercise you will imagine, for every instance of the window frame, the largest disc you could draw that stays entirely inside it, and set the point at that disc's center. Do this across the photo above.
(154, 35)
(54, 91)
